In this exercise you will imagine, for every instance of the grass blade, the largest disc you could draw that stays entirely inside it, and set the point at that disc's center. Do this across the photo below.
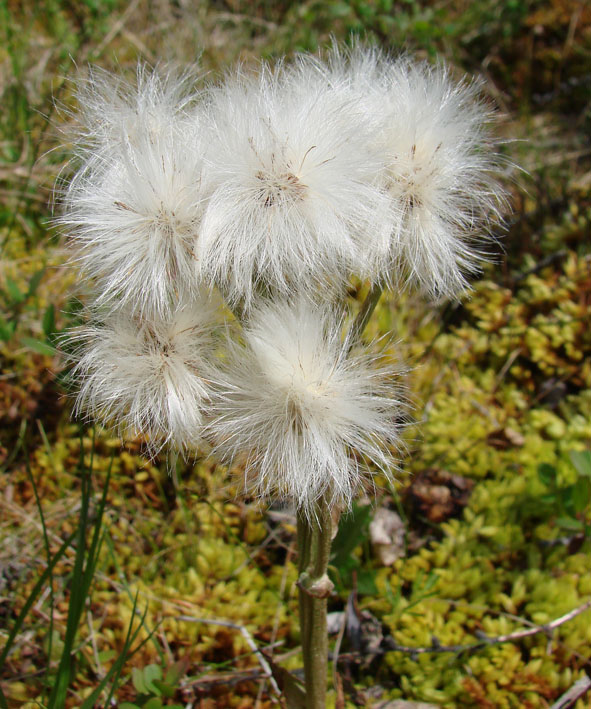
(33, 596)
(82, 575)
(117, 667)
(48, 554)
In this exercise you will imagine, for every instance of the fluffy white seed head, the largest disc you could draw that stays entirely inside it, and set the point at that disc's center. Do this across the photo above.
(135, 222)
(299, 413)
(113, 111)
(441, 163)
(442, 168)
(134, 207)
(147, 376)
(359, 74)
(292, 183)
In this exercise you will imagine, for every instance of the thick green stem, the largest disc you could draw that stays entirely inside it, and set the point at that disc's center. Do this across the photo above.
(314, 539)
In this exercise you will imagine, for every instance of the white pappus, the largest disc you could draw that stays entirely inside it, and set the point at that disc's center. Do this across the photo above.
(133, 209)
(293, 186)
(148, 377)
(442, 173)
(441, 164)
(301, 413)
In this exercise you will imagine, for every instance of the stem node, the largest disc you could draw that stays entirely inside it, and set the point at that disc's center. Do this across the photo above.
(317, 587)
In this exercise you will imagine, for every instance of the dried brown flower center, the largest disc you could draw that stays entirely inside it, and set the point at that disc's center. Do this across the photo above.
(411, 176)
(168, 224)
(279, 189)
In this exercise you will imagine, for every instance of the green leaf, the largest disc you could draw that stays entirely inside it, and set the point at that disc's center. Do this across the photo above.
(38, 346)
(547, 474)
(567, 498)
(154, 703)
(14, 291)
(432, 580)
(581, 494)
(116, 668)
(175, 672)
(163, 688)
(34, 282)
(49, 320)
(128, 705)
(106, 655)
(82, 574)
(6, 329)
(292, 689)
(570, 523)
(152, 672)
(137, 677)
(393, 598)
(41, 583)
(582, 462)
(366, 582)
(353, 531)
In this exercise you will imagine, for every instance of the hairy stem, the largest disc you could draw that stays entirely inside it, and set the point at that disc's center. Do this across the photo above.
(314, 539)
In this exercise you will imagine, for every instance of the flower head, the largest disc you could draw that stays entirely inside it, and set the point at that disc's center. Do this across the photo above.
(134, 207)
(292, 184)
(147, 376)
(441, 163)
(113, 111)
(442, 170)
(299, 412)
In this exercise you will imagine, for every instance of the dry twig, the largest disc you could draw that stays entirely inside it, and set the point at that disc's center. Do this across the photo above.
(249, 640)
(485, 640)
(578, 690)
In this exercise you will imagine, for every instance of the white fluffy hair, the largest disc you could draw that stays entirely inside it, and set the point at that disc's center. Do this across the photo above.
(293, 185)
(135, 221)
(133, 209)
(442, 163)
(299, 411)
(113, 111)
(442, 173)
(147, 376)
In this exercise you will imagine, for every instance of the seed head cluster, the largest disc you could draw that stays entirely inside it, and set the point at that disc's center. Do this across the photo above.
(269, 191)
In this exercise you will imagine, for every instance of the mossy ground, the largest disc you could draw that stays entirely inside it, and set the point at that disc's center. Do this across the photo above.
(500, 385)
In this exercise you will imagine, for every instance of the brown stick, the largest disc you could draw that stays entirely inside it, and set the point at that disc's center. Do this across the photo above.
(485, 640)
(578, 690)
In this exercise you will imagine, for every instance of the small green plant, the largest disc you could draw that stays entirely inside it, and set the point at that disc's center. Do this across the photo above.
(86, 556)
(423, 587)
(353, 532)
(155, 686)
(13, 301)
(569, 502)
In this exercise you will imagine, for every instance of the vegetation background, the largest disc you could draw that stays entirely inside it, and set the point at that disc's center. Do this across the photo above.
(166, 590)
